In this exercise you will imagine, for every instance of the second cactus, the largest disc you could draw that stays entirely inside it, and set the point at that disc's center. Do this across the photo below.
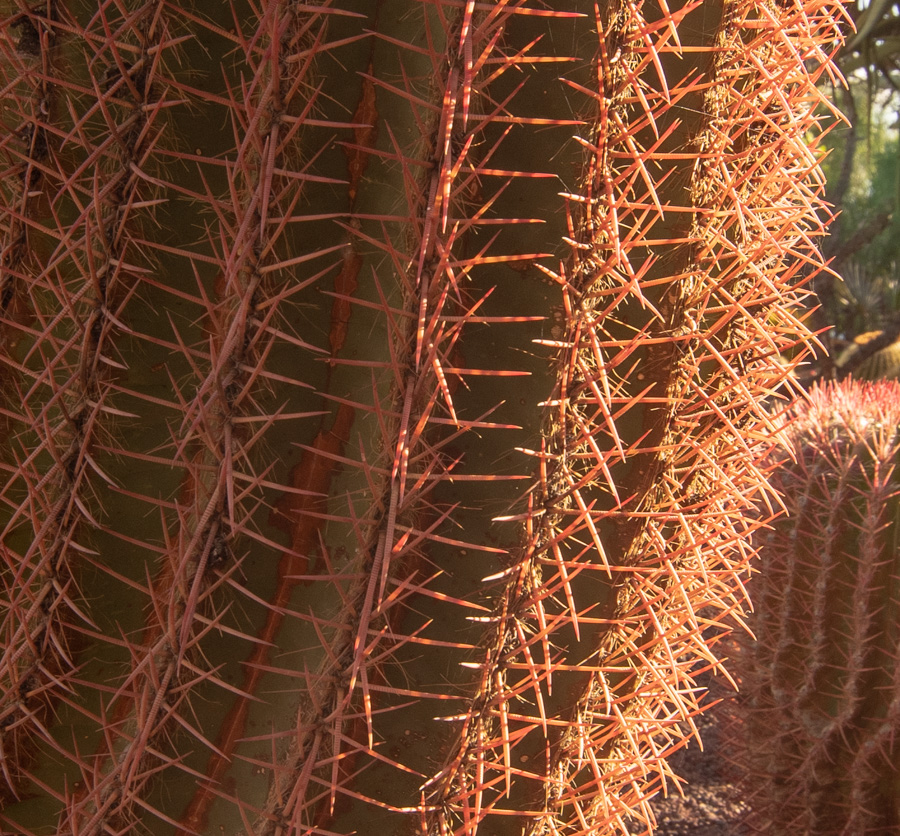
(822, 682)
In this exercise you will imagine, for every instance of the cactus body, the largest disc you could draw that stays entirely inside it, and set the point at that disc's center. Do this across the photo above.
(373, 447)
(821, 682)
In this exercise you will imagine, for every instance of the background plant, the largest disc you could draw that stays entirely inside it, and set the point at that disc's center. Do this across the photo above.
(820, 685)
(859, 297)
(270, 306)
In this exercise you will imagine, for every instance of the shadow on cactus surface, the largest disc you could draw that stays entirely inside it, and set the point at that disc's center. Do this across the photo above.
(378, 458)
(820, 686)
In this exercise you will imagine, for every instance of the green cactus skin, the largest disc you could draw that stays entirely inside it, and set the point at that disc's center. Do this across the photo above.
(377, 457)
(820, 702)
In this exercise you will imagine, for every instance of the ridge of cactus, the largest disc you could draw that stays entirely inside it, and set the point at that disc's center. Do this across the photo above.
(377, 457)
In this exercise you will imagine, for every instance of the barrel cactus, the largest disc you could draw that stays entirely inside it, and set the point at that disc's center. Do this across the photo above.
(820, 702)
(378, 458)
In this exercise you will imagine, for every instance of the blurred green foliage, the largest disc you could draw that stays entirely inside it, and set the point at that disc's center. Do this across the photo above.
(860, 304)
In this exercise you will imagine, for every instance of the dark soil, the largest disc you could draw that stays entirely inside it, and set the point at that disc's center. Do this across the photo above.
(711, 804)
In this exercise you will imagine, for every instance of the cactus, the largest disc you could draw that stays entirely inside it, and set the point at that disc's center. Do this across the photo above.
(355, 479)
(820, 702)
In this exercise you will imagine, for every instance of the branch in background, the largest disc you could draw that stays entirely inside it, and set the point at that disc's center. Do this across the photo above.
(823, 282)
(868, 22)
(838, 191)
(868, 349)
(860, 239)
